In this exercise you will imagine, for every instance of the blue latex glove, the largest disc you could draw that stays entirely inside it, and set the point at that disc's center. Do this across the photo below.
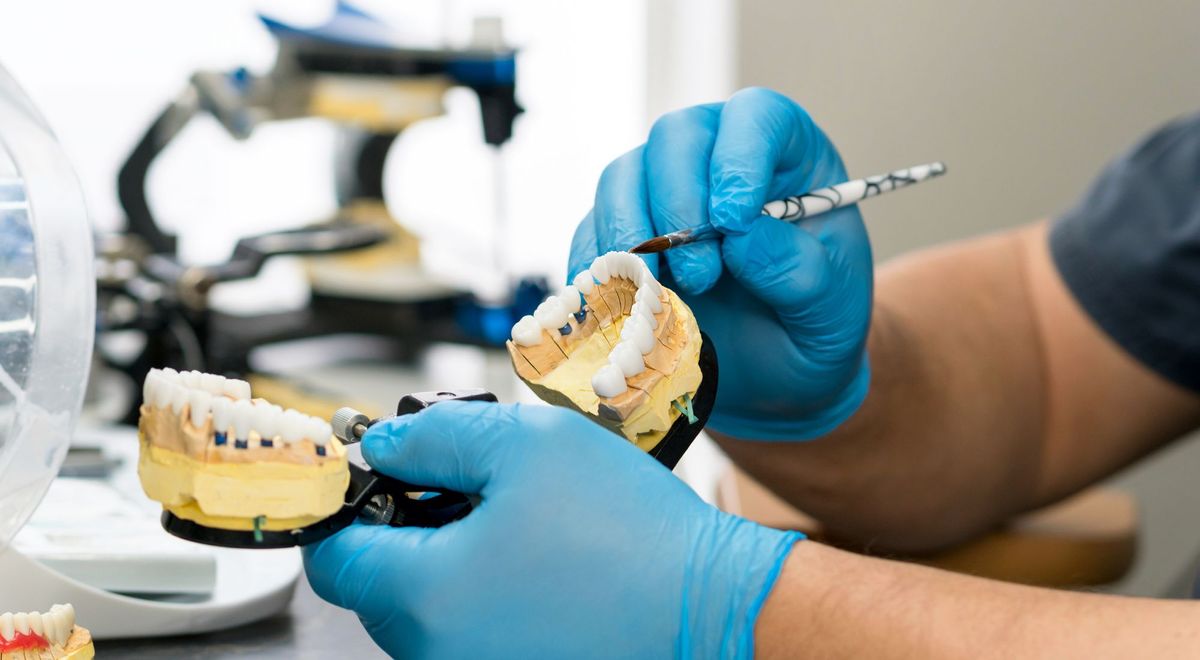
(583, 546)
(787, 305)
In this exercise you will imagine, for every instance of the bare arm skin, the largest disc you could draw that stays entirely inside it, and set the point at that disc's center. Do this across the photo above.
(833, 604)
(992, 393)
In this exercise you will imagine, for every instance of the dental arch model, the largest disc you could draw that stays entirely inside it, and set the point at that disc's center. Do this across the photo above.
(212, 455)
(615, 345)
(50, 635)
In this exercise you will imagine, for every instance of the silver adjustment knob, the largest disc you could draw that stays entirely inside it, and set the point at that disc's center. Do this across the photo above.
(349, 425)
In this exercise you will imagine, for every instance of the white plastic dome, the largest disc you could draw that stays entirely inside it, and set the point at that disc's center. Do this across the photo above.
(47, 306)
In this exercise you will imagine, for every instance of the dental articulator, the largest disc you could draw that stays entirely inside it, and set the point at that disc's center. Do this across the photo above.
(237, 471)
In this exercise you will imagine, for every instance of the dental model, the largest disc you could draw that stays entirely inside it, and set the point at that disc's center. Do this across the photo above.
(615, 345)
(44, 636)
(212, 455)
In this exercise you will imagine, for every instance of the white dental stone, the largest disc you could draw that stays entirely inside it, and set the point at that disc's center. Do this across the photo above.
(35, 624)
(584, 282)
(642, 310)
(267, 420)
(293, 427)
(551, 314)
(628, 359)
(212, 383)
(609, 381)
(222, 414)
(569, 297)
(190, 379)
(177, 396)
(200, 402)
(638, 331)
(646, 296)
(7, 631)
(527, 332)
(21, 622)
(600, 269)
(243, 418)
(238, 389)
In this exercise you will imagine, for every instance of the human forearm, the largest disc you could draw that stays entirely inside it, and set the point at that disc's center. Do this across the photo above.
(952, 421)
(992, 392)
(828, 603)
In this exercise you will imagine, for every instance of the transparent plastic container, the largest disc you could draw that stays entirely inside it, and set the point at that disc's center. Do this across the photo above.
(47, 306)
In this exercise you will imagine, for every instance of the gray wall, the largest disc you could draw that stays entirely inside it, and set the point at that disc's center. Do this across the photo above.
(1025, 100)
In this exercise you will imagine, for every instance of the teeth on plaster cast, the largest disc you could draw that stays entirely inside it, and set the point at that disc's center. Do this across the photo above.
(212, 383)
(238, 389)
(636, 330)
(642, 311)
(171, 375)
(646, 296)
(569, 297)
(551, 314)
(655, 288)
(190, 379)
(628, 359)
(291, 429)
(54, 626)
(200, 403)
(266, 420)
(527, 332)
(609, 381)
(177, 395)
(222, 414)
(584, 282)
(600, 269)
(153, 378)
(319, 431)
(243, 418)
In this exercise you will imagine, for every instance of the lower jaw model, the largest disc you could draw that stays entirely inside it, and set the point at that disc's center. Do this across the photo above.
(51, 635)
(212, 455)
(615, 345)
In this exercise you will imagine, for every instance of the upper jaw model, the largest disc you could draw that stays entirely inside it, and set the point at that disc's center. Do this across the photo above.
(50, 635)
(617, 346)
(212, 455)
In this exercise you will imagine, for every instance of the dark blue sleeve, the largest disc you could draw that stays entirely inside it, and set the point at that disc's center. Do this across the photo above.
(1130, 251)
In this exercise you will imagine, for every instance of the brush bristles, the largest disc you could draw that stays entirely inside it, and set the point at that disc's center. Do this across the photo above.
(652, 246)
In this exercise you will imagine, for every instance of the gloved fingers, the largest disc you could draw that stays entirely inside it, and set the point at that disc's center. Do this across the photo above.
(780, 263)
(457, 445)
(620, 212)
(762, 134)
(676, 163)
(350, 568)
(583, 246)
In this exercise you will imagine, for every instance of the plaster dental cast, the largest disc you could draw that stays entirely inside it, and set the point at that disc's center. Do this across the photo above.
(912, 407)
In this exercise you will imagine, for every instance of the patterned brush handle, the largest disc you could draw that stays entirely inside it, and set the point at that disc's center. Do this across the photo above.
(850, 192)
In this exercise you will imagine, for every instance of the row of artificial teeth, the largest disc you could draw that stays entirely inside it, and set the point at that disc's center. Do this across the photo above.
(627, 358)
(167, 387)
(55, 626)
(234, 416)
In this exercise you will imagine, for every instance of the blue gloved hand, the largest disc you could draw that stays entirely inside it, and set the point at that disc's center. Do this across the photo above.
(787, 305)
(582, 546)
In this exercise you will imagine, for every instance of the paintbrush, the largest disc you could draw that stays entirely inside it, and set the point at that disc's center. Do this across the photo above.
(807, 205)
